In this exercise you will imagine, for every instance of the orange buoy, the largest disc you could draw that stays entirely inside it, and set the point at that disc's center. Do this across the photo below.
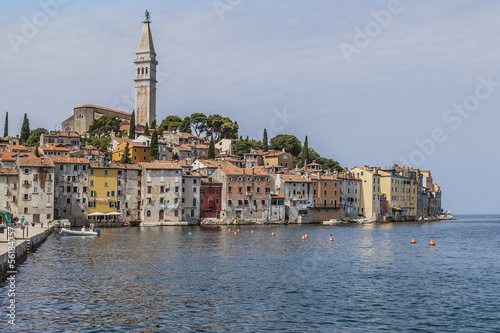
(273, 234)
(432, 242)
(331, 238)
(413, 241)
(235, 233)
(229, 229)
(219, 225)
(252, 231)
(306, 236)
(238, 230)
(303, 237)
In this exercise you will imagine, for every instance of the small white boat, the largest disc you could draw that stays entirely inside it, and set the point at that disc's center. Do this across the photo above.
(365, 221)
(148, 224)
(83, 232)
(331, 221)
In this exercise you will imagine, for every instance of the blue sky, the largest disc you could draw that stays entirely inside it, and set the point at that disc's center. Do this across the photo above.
(281, 65)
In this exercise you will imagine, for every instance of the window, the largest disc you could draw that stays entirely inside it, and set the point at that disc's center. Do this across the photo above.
(26, 171)
(91, 183)
(216, 191)
(149, 189)
(91, 204)
(49, 190)
(112, 193)
(229, 189)
(194, 202)
(194, 181)
(258, 179)
(105, 184)
(230, 178)
(240, 179)
(35, 190)
(229, 202)
(112, 204)
(240, 190)
(91, 172)
(217, 201)
(192, 212)
(268, 190)
(93, 193)
(148, 213)
(194, 189)
(258, 189)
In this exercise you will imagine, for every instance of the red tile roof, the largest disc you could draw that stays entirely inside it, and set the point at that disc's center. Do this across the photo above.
(35, 162)
(158, 165)
(102, 108)
(72, 160)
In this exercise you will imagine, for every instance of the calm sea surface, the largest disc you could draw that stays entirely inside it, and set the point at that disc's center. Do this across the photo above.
(192, 279)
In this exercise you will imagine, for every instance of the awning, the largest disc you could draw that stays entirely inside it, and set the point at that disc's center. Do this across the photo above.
(96, 214)
(113, 214)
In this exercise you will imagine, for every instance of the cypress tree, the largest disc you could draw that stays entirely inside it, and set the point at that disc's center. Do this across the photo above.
(25, 129)
(6, 127)
(126, 159)
(305, 154)
(37, 153)
(131, 131)
(146, 130)
(211, 149)
(265, 145)
(154, 145)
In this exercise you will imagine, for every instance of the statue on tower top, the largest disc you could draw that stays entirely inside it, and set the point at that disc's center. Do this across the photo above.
(148, 17)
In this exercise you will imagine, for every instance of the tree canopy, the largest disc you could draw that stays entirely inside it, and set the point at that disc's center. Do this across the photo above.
(244, 146)
(34, 138)
(6, 126)
(291, 144)
(198, 122)
(220, 127)
(25, 130)
(126, 159)
(185, 126)
(171, 123)
(104, 125)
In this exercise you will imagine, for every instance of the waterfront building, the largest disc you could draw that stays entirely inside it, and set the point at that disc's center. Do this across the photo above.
(190, 201)
(246, 195)
(326, 196)
(36, 188)
(161, 192)
(9, 180)
(210, 200)
(298, 194)
(350, 195)
(71, 189)
(145, 78)
(398, 188)
(370, 191)
(128, 191)
(102, 188)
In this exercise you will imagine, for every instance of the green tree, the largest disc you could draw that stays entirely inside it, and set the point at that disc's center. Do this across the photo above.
(175, 157)
(265, 145)
(198, 122)
(6, 126)
(126, 159)
(305, 152)
(291, 144)
(221, 127)
(131, 131)
(25, 130)
(244, 146)
(37, 153)
(211, 149)
(104, 125)
(185, 126)
(103, 143)
(171, 123)
(146, 130)
(34, 138)
(154, 145)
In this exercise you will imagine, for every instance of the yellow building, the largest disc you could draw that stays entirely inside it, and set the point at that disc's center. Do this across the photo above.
(138, 152)
(400, 190)
(102, 189)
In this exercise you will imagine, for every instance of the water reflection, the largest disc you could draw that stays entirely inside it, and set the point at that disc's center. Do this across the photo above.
(208, 279)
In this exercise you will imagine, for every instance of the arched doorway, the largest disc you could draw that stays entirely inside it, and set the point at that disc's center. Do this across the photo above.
(162, 215)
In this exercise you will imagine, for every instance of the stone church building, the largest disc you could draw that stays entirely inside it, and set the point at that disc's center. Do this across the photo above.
(145, 92)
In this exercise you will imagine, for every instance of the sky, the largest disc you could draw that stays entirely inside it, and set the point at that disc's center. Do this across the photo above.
(369, 82)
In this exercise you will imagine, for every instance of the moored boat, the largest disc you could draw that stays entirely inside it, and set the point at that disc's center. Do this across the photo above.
(331, 221)
(82, 232)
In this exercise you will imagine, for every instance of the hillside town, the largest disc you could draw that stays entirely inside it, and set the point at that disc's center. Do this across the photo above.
(124, 166)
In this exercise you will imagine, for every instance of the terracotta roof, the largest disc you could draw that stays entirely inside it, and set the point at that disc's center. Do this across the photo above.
(120, 140)
(8, 171)
(161, 165)
(17, 147)
(245, 172)
(218, 164)
(316, 176)
(277, 196)
(125, 166)
(72, 160)
(102, 108)
(291, 178)
(8, 156)
(53, 147)
(273, 153)
(35, 162)
(138, 144)
(124, 128)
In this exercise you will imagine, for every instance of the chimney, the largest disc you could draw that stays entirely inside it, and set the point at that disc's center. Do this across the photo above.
(283, 149)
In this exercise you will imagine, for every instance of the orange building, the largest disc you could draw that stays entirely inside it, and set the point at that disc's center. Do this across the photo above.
(138, 152)
(326, 196)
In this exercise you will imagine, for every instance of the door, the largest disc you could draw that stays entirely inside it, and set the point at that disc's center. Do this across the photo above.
(162, 215)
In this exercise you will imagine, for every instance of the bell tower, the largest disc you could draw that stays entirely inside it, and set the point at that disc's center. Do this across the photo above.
(145, 77)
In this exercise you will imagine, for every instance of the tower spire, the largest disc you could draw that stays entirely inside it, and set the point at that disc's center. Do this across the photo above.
(145, 76)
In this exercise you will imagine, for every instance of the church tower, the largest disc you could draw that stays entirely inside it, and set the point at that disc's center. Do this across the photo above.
(145, 77)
